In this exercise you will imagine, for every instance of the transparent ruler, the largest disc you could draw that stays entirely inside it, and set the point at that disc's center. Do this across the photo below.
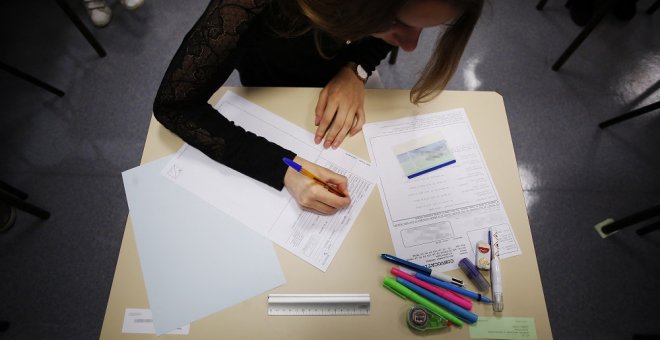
(318, 304)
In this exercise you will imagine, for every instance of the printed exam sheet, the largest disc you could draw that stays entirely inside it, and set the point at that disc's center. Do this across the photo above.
(435, 219)
(275, 214)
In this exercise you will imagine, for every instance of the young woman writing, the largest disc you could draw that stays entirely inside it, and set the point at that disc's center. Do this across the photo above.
(331, 44)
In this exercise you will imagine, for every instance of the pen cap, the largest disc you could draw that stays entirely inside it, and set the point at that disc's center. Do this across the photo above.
(474, 274)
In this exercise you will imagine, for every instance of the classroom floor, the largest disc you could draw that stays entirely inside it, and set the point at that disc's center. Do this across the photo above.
(68, 154)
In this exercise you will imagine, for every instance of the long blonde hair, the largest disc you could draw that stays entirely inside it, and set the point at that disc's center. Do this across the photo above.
(355, 19)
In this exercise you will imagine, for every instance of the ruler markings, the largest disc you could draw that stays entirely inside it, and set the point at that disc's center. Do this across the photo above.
(318, 304)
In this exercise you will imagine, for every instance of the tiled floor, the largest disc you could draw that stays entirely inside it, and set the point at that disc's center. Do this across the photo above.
(68, 153)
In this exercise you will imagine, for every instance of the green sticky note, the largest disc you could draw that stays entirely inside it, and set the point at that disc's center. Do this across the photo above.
(489, 327)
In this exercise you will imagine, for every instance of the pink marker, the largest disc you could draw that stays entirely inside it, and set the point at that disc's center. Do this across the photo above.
(459, 301)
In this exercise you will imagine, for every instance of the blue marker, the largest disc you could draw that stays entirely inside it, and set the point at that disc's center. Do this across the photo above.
(465, 292)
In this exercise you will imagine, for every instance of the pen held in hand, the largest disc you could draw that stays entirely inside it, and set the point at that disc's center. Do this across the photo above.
(300, 169)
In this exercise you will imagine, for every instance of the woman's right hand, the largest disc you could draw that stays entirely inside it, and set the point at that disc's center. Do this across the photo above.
(310, 195)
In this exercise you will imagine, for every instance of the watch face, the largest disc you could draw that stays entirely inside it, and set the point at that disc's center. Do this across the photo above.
(361, 72)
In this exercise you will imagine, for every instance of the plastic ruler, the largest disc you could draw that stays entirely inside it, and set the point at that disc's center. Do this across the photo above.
(318, 304)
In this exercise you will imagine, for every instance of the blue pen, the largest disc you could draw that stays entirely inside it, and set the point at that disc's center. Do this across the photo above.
(295, 166)
(465, 292)
(468, 316)
(421, 269)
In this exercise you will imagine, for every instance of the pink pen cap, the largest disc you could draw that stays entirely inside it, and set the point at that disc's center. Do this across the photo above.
(445, 294)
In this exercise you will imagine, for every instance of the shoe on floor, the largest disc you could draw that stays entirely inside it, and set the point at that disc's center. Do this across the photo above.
(132, 4)
(99, 12)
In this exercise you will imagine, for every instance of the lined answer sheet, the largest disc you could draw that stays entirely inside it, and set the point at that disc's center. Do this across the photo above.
(275, 214)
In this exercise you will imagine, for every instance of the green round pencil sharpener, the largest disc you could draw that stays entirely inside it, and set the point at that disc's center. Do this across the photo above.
(422, 319)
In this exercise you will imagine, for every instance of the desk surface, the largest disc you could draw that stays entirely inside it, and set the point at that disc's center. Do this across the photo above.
(357, 267)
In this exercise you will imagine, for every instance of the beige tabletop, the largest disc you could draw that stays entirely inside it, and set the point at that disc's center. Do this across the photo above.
(357, 267)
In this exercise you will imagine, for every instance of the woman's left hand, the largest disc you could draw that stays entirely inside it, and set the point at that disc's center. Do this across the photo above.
(340, 109)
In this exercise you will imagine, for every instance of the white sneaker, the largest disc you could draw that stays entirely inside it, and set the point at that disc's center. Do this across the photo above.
(132, 4)
(98, 11)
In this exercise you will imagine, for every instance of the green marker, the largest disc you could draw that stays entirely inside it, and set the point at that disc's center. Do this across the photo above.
(402, 291)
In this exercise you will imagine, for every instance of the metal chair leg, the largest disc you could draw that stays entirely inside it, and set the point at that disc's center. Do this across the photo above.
(81, 27)
(30, 79)
(647, 229)
(16, 201)
(4, 326)
(541, 4)
(653, 7)
(609, 226)
(629, 115)
(583, 34)
(8, 188)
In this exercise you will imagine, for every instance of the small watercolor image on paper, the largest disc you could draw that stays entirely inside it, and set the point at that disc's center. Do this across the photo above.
(423, 155)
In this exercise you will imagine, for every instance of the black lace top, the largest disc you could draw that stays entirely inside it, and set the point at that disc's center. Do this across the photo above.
(236, 34)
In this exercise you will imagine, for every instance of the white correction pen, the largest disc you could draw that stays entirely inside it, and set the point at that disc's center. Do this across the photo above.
(496, 272)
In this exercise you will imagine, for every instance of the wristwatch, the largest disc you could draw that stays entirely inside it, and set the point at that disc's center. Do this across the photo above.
(359, 71)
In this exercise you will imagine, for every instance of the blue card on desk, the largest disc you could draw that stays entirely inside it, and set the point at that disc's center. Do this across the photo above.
(193, 256)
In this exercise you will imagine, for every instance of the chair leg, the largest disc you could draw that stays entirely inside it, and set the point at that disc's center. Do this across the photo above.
(17, 202)
(629, 115)
(81, 27)
(647, 229)
(8, 188)
(653, 7)
(393, 55)
(4, 326)
(541, 4)
(583, 34)
(631, 219)
(30, 79)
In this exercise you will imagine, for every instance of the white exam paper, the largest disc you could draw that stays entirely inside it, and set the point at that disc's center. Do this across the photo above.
(436, 219)
(275, 214)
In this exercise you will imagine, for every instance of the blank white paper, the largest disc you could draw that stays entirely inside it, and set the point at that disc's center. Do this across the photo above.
(196, 260)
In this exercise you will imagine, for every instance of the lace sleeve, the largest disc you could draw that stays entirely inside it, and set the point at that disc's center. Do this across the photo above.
(368, 52)
(201, 65)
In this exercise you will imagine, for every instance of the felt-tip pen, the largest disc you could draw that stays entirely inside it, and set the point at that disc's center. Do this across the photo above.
(455, 289)
(400, 290)
(421, 269)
